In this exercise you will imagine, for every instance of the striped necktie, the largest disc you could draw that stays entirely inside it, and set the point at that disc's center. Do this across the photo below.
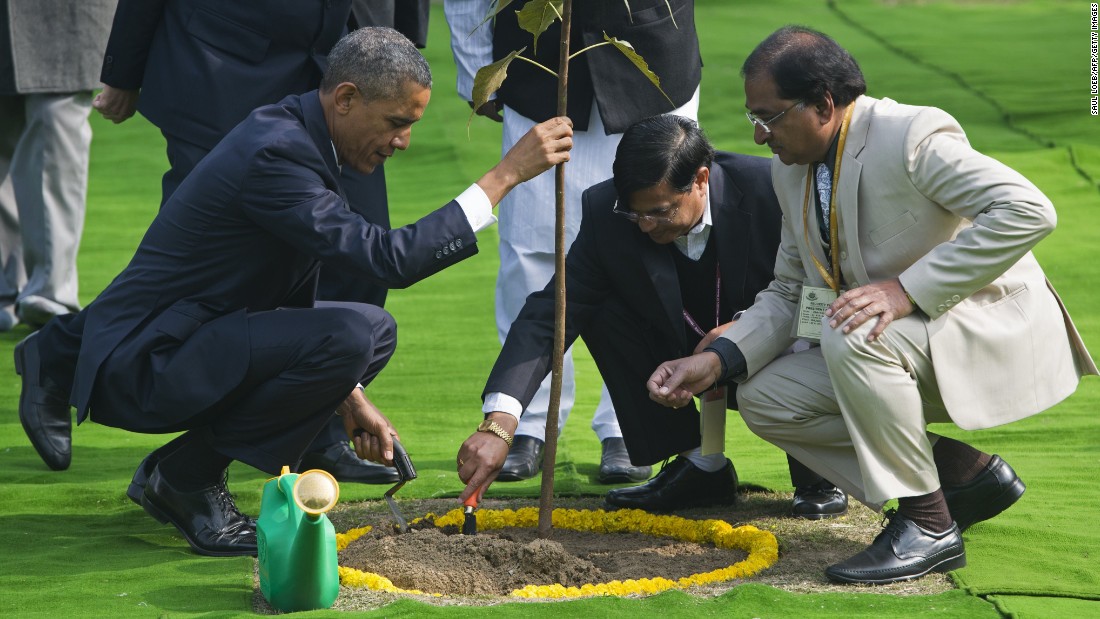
(824, 193)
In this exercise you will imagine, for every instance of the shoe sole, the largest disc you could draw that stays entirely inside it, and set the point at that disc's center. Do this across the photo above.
(620, 479)
(502, 476)
(163, 517)
(1000, 503)
(819, 516)
(950, 563)
(135, 492)
(56, 464)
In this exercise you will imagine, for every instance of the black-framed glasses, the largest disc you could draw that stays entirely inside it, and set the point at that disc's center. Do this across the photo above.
(659, 216)
(763, 124)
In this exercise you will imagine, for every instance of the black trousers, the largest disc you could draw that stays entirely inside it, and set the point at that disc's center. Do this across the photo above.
(366, 195)
(303, 362)
(626, 349)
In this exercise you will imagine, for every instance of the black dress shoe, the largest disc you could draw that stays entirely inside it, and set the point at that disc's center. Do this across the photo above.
(43, 410)
(991, 492)
(141, 477)
(819, 501)
(615, 466)
(524, 459)
(340, 460)
(678, 485)
(902, 551)
(207, 518)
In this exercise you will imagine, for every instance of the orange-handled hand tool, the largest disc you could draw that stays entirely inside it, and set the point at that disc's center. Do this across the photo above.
(469, 524)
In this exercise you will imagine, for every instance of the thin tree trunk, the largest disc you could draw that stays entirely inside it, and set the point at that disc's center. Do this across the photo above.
(550, 454)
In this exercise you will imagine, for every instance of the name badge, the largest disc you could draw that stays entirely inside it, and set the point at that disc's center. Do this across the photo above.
(712, 421)
(811, 310)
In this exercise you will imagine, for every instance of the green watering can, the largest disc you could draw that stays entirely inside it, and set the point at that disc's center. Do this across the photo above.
(296, 541)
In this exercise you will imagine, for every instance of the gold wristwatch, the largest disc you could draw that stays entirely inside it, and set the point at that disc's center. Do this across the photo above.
(494, 428)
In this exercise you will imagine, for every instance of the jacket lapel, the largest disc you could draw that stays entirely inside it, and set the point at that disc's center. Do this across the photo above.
(732, 226)
(659, 265)
(848, 193)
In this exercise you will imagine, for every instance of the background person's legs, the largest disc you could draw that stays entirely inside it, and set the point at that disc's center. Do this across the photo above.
(50, 176)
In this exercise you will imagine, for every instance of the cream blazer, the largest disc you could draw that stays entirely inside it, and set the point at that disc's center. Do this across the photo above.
(915, 201)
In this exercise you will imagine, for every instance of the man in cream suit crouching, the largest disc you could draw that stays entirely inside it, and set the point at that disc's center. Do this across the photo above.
(906, 255)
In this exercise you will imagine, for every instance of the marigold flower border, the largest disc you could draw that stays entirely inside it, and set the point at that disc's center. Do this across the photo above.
(761, 546)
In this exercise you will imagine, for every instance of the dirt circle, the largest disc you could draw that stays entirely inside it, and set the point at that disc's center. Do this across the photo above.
(499, 561)
(806, 547)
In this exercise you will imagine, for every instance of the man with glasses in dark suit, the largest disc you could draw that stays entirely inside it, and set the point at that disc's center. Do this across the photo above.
(669, 251)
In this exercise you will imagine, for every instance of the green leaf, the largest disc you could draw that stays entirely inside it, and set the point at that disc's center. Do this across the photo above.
(496, 7)
(488, 81)
(537, 15)
(628, 50)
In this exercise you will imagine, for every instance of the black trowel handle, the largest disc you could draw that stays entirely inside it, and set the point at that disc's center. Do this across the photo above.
(402, 462)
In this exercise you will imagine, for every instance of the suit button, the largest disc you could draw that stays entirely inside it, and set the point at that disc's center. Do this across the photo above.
(955, 298)
(453, 246)
(843, 255)
(446, 251)
(950, 304)
(941, 309)
(438, 254)
(458, 242)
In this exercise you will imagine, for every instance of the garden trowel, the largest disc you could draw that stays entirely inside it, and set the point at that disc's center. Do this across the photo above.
(405, 472)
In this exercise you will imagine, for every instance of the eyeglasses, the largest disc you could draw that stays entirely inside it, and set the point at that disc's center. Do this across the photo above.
(763, 124)
(659, 216)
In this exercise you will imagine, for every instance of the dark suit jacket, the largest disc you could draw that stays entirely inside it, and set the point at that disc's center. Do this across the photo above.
(613, 261)
(624, 95)
(203, 65)
(245, 233)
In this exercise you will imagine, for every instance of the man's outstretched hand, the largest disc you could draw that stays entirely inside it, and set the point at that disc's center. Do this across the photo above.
(546, 145)
(675, 382)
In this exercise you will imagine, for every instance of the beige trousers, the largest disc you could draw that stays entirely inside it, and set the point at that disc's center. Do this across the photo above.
(854, 411)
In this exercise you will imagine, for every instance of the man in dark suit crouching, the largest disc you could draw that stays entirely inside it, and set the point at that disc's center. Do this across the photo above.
(212, 327)
(669, 252)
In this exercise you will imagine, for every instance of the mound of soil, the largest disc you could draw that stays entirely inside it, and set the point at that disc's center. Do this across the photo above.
(497, 562)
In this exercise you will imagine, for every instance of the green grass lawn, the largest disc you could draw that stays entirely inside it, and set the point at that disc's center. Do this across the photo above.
(1015, 73)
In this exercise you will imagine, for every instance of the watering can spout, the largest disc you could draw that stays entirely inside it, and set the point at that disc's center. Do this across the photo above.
(296, 541)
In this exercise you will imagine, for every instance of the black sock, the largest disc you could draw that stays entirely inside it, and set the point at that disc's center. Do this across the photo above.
(957, 462)
(929, 511)
(193, 465)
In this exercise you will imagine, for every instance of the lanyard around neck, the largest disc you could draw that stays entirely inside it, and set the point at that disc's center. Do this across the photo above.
(717, 301)
(832, 276)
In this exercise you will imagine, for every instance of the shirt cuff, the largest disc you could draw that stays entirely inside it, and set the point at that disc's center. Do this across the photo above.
(475, 204)
(497, 402)
(733, 361)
